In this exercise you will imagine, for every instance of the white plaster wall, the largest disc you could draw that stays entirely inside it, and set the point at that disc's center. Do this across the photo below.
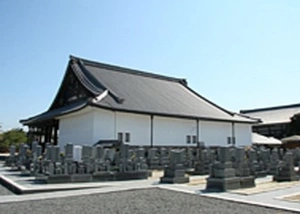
(76, 128)
(137, 125)
(243, 134)
(104, 125)
(172, 131)
(214, 133)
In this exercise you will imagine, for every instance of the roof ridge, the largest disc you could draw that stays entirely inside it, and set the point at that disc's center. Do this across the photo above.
(245, 111)
(128, 70)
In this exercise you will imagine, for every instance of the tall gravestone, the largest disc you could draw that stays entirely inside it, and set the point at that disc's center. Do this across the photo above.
(140, 160)
(285, 169)
(175, 172)
(274, 160)
(201, 161)
(153, 160)
(222, 176)
(163, 157)
(10, 161)
(242, 169)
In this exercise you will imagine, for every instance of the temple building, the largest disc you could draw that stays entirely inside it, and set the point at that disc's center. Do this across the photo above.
(274, 120)
(98, 101)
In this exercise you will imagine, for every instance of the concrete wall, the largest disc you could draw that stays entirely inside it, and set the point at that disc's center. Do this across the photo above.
(76, 128)
(137, 125)
(92, 124)
(243, 134)
(215, 133)
(104, 125)
(107, 125)
(172, 131)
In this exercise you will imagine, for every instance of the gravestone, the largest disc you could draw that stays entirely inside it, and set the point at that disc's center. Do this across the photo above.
(86, 157)
(202, 161)
(77, 152)
(11, 159)
(285, 169)
(222, 176)
(68, 162)
(140, 160)
(265, 158)
(163, 157)
(104, 158)
(242, 169)
(69, 151)
(55, 154)
(274, 160)
(153, 160)
(21, 155)
(255, 164)
(190, 158)
(175, 172)
(36, 162)
(99, 158)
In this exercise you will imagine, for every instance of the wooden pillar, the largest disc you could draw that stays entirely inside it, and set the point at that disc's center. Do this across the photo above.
(197, 131)
(151, 131)
(233, 140)
(40, 134)
(55, 134)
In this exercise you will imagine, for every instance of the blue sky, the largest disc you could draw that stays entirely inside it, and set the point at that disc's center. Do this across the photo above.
(238, 54)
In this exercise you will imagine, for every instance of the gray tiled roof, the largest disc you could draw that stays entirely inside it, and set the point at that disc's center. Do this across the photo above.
(155, 94)
(274, 115)
(141, 92)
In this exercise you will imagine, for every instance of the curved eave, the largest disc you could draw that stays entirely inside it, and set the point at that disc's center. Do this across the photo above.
(52, 114)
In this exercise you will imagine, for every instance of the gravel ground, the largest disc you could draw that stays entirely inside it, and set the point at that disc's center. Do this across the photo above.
(137, 201)
(4, 191)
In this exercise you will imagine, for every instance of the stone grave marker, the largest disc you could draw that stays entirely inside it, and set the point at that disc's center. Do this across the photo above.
(175, 172)
(242, 169)
(285, 169)
(222, 176)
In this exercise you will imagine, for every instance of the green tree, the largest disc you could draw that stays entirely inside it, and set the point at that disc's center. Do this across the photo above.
(12, 137)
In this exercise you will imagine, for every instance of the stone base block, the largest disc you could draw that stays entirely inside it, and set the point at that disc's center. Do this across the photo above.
(81, 178)
(196, 172)
(103, 176)
(247, 182)
(156, 167)
(174, 172)
(223, 184)
(261, 174)
(53, 179)
(223, 173)
(131, 175)
(174, 180)
(282, 178)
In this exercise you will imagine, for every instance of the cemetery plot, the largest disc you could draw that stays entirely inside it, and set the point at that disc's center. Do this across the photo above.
(225, 168)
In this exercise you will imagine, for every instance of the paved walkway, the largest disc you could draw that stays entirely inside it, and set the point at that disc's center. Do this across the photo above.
(261, 196)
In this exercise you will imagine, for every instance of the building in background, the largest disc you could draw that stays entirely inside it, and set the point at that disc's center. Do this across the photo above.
(275, 121)
(98, 101)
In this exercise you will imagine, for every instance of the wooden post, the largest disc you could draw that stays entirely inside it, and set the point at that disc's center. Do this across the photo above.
(55, 134)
